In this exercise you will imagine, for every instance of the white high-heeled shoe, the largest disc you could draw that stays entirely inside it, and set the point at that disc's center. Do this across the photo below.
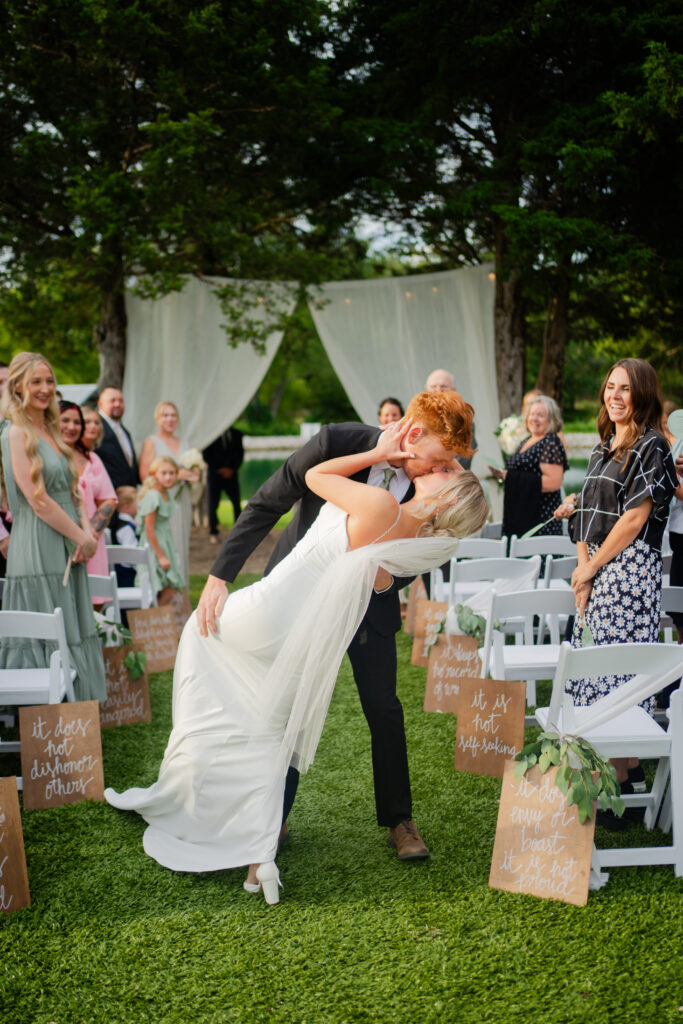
(254, 887)
(269, 879)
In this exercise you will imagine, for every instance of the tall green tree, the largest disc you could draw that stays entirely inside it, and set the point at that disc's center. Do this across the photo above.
(154, 139)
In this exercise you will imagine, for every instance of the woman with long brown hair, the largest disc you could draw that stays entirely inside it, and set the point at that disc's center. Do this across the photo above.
(50, 526)
(621, 514)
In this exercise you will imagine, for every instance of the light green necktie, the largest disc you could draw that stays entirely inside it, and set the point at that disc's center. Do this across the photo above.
(389, 475)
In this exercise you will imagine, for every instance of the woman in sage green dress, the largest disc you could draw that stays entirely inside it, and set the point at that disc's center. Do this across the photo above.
(48, 525)
(156, 508)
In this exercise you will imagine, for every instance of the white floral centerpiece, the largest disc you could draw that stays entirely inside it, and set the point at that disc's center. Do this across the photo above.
(192, 459)
(510, 433)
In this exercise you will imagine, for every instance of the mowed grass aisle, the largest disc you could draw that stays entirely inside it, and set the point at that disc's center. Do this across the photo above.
(114, 938)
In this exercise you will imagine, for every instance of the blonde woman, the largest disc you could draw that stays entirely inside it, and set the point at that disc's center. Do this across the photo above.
(165, 442)
(156, 508)
(251, 698)
(49, 526)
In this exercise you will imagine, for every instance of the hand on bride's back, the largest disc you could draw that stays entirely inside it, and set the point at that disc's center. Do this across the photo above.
(211, 604)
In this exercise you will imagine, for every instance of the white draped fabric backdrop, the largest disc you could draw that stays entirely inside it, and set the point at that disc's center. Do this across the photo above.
(383, 337)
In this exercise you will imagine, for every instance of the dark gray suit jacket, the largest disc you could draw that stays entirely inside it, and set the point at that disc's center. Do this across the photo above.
(287, 486)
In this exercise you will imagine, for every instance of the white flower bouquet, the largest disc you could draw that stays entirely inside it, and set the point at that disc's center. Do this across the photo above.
(510, 433)
(192, 459)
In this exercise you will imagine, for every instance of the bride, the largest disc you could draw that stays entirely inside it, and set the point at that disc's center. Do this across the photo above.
(252, 698)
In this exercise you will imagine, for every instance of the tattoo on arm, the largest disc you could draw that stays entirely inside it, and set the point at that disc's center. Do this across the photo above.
(102, 516)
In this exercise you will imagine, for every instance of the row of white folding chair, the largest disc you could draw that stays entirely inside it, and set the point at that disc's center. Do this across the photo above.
(532, 658)
(546, 545)
(144, 595)
(469, 577)
(618, 727)
(20, 687)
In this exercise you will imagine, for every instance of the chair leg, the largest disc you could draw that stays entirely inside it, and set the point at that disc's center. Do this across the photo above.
(597, 877)
(657, 792)
(531, 693)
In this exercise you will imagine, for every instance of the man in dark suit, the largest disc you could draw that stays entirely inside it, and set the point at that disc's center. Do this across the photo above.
(223, 458)
(116, 450)
(441, 427)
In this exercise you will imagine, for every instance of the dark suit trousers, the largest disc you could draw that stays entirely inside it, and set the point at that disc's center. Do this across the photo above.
(215, 484)
(373, 660)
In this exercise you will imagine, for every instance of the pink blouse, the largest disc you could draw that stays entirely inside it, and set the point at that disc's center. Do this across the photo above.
(95, 485)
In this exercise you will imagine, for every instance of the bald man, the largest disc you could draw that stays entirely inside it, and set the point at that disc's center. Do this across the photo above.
(442, 380)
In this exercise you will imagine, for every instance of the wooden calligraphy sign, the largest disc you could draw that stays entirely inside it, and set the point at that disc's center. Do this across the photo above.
(155, 631)
(61, 754)
(416, 592)
(451, 658)
(14, 892)
(540, 847)
(127, 700)
(182, 609)
(430, 615)
(490, 725)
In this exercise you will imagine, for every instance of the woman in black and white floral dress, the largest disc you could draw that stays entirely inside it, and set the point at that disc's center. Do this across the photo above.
(621, 514)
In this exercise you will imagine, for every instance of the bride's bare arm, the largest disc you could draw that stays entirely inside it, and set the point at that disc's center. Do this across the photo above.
(370, 509)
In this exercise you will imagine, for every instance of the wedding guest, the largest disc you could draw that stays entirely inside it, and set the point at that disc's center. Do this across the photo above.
(533, 474)
(223, 458)
(442, 380)
(165, 442)
(390, 410)
(97, 491)
(94, 431)
(155, 511)
(123, 532)
(621, 514)
(51, 535)
(116, 448)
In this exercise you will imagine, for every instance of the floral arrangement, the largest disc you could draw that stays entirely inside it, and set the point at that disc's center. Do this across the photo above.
(114, 634)
(470, 623)
(192, 459)
(510, 433)
(583, 775)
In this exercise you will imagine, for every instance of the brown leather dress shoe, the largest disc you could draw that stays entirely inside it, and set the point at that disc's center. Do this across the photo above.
(407, 841)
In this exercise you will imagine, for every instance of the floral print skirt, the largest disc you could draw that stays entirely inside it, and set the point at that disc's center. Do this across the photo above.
(624, 607)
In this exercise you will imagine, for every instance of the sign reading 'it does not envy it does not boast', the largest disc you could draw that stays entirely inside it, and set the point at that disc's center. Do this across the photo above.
(61, 754)
(540, 848)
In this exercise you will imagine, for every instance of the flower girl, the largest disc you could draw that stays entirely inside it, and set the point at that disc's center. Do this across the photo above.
(155, 508)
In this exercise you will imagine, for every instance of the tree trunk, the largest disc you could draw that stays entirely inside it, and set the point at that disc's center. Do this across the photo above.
(551, 373)
(109, 335)
(509, 327)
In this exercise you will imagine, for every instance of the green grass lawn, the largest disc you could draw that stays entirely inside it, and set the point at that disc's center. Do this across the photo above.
(111, 937)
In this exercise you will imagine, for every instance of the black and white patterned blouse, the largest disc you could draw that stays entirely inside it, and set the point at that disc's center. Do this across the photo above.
(612, 488)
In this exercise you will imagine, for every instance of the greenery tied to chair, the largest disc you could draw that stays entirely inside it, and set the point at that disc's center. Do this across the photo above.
(469, 622)
(583, 775)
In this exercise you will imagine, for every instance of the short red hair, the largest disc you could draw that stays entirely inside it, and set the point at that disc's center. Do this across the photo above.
(447, 415)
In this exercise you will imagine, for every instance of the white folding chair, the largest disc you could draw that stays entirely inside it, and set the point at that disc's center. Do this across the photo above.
(468, 547)
(672, 602)
(470, 577)
(20, 687)
(618, 727)
(549, 545)
(143, 596)
(105, 590)
(492, 531)
(558, 572)
(533, 659)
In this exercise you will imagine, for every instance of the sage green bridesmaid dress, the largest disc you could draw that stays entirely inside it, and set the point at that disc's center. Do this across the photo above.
(36, 562)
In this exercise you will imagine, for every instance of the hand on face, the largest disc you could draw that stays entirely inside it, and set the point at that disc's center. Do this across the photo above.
(391, 443)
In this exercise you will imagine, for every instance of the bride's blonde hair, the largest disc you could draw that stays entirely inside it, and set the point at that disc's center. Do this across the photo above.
(466, 509)
(14, 407)
(150, 481)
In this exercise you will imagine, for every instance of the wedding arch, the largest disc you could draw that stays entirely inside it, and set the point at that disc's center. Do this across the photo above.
(383, 337)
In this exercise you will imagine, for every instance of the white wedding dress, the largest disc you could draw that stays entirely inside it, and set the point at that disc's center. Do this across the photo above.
(253, 698)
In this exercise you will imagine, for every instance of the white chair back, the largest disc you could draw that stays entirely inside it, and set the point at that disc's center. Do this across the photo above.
(672, 602)
(105, 590)
(557, 569)
(470, 577)
(492, 531)
(549, 606)
(31, 685)
(143, 596)
(548, 545)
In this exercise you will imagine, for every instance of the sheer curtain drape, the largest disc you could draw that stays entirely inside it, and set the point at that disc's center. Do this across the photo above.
(384, 337)
(178, 350)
